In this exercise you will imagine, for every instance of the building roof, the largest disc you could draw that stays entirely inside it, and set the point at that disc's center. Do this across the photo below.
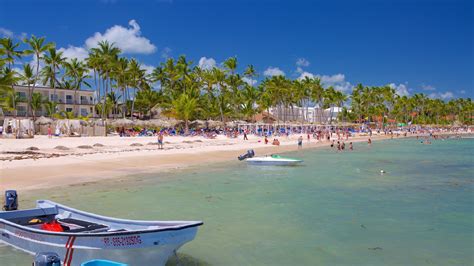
(49, 88)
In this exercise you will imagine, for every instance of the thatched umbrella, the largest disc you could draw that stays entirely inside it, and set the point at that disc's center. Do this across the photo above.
(231, 124)
(143, 123)
(123, 122)
(44, 121)
(173, 122)
(214, 124)
(158, 123)
(198, 123)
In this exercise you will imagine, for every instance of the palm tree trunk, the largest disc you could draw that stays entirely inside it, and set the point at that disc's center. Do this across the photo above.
(124, 102)
(133, 105)
(75, 101)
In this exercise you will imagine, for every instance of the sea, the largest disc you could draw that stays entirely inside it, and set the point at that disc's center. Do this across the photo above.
(395, 202)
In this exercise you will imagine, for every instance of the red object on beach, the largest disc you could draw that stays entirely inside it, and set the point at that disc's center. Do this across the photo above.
(52, 226)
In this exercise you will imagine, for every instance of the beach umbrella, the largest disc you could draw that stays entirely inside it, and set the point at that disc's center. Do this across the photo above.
(44, 121)
(231, 124)
(198, 123)
(123, 122)
(214, 123)
(157, 123)
(143, 123)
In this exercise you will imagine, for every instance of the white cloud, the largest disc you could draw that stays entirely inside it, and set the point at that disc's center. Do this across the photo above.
(273, 71)
(337, 81)
(249, 81)
(148, 68)
(10, 34)
(74, 52)
(207, 63)
(305, 74)
(336, 78)
(166, 53)
(6, 33)
(129, 40)
(400, 89)
(428, 87)
(302, 62)
(441, 95)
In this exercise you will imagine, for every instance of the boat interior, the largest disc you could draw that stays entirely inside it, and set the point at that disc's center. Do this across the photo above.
(39, 217)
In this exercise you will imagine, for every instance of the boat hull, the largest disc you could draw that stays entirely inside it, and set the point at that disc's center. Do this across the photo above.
(151, 248)
(276, 162)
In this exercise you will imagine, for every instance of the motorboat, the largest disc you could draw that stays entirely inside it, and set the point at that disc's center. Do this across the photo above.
(273, 160)
(78, 236)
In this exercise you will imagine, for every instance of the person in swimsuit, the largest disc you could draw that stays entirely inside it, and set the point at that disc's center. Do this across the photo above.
(160, 141)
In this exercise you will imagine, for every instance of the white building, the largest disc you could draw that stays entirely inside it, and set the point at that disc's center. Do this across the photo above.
(307, 115)
(80, 102)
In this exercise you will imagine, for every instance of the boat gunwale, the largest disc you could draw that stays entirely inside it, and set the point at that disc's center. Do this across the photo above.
(99, 234)
(186, 224)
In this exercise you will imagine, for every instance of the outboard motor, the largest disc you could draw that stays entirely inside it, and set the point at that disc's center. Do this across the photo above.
(47, 259)
(11, 200)
(249, 154)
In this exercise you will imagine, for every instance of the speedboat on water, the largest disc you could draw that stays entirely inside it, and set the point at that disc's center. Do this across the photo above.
(250, 158)
(273, 160)
(78, 236)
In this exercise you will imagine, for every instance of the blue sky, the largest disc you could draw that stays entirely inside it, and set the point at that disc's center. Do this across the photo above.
(415, 45)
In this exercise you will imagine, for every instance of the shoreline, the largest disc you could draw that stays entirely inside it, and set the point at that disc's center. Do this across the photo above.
(86, 167)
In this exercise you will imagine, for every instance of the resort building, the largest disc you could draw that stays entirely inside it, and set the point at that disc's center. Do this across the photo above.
(308, 115)
(81, 103)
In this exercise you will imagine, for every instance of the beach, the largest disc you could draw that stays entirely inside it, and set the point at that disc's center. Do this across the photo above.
(24, 169)
(335, 209)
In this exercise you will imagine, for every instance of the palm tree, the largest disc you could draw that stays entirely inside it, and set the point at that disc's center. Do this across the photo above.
(122, 75)
(250, 71)
(249, 97)
(340, 98)
(114, 99)
(108, 55)
(330, 100)
(184, 108)
(37, 48)
(36, 103)
(220, 78)
(138, 80)
(147, 99)
(231, 64)
(51, 107)
(78, 73)
(28, 79)
(8, 49)
(53, 59)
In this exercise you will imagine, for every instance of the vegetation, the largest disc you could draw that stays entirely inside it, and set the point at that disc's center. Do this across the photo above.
(178, 88)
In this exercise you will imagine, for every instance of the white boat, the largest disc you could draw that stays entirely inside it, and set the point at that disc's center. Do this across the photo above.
(85, 236)
(273, 160)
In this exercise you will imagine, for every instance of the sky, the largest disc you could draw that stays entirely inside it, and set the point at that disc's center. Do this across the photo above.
(415, 46)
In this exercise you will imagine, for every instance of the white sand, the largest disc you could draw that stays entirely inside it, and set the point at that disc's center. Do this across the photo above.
(118, 158)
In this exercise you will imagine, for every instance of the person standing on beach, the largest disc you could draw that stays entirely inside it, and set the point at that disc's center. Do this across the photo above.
(300, 142)
(50, 133)
(245, 135)
(266, 139)
(160, 141)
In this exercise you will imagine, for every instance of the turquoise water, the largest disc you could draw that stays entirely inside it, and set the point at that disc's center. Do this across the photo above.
(337, 209)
